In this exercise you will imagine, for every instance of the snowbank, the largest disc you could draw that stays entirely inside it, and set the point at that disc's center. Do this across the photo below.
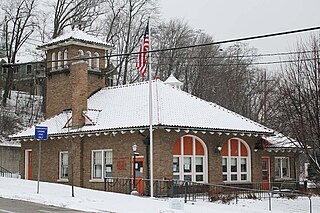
(99, 201)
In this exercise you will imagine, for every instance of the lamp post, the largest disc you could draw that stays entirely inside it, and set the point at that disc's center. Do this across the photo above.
(134, 149)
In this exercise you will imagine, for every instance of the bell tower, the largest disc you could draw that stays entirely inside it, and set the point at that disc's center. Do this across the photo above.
(75, 62)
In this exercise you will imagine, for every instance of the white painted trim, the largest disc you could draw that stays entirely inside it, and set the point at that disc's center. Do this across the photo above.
(60, 154)
(26, 163)
(193, 174)
(281, 175)
(248, 157)
(102, 164)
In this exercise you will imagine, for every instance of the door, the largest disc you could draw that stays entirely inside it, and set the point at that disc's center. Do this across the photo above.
(139, 171)
(265, 165)
(28, 164)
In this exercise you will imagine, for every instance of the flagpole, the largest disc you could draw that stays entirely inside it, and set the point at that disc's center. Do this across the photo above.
(150, 116)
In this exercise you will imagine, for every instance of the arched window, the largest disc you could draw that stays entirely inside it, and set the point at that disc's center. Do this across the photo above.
(190, 159)
(97, 61)
(81, 53)
(236, 161)
(53, 61)
(65, 58)
(59, 59)
(89, 60)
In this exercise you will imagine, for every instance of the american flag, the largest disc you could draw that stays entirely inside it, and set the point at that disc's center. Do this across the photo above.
(142, 58)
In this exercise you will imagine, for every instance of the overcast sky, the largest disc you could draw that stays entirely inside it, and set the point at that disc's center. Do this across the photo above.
(229, 19)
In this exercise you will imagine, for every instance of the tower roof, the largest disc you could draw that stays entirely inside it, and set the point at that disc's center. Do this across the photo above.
(173, 81)
(77, 37)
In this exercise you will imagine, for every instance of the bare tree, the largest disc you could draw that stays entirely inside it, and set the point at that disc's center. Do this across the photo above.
(125, 24)
(75, 13)
(19, 25)
(299, 100)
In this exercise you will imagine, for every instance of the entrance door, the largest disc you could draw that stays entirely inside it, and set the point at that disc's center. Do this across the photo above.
(138, 169)
(265, 164)
(28, 164)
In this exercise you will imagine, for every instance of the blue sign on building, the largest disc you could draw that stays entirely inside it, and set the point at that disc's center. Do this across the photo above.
(41, 133)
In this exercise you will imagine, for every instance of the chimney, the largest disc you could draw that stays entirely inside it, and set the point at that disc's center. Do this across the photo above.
(79, 87)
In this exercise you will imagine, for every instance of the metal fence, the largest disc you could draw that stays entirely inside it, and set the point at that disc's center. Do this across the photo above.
(5, 173)
(225, 192)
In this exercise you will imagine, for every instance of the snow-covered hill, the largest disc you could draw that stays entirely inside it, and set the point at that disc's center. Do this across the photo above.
(22, 110)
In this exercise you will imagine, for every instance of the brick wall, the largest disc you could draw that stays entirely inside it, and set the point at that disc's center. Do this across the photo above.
(59, 83)
(121, 145)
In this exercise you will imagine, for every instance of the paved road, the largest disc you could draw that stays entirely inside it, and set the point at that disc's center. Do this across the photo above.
(17, 206)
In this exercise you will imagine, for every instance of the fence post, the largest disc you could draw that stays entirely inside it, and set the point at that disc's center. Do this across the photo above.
(105, 184)
(310, 204)
(269, 201)
(236, 196)
(171, 189)
(185, 191)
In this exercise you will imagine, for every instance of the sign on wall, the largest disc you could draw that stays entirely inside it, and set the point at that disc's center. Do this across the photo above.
(41, 133)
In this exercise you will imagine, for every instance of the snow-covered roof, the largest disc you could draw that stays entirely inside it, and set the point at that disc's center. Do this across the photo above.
(173, 81)
(278, 140)
(77, 36)
(126, 107)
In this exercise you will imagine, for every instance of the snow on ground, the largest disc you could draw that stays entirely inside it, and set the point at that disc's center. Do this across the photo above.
(99, 201)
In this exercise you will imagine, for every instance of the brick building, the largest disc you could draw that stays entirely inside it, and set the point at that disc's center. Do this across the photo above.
(92, 129)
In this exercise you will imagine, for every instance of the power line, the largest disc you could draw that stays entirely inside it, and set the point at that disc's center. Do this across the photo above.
(197, 45)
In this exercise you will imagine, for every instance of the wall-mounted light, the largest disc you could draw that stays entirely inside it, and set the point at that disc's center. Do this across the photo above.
(218, 149)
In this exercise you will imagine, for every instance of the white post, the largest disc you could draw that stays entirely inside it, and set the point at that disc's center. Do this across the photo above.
(150, 116)
(39, 167)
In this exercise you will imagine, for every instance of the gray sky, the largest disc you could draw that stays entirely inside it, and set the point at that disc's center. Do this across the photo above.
(229, 19)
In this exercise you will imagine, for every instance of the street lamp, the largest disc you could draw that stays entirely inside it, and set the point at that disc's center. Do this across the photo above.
(134, 149)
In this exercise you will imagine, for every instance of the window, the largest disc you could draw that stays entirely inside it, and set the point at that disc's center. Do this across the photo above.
(81, 53)
(29, 69)
(89, 59)
(235, 161)
(63, 168)
(15, 70)
(189, 159)
(59, 59)
(65, 58)
(282, 167)
(101, 164)
(53, 61)
(96, 61)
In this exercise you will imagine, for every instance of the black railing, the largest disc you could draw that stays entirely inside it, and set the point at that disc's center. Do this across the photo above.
(208, 191)
(225, 192)
(5, 173)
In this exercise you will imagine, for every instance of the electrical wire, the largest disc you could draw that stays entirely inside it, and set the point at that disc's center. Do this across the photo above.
(197, 45)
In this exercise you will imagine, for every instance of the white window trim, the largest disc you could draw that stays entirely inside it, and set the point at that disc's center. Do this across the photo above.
(61, 179)
(281, 175)
(53, 61)
(102, 163)
(193, 172)
(239, 157)
(65, 58)
(59, 60)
